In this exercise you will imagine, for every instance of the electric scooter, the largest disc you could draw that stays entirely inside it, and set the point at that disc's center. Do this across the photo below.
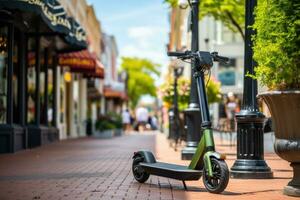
(206, 161)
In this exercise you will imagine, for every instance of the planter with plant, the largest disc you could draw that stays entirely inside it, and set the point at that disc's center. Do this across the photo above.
(116, 119)
(108, 126)
(104, 127)
(277, 53)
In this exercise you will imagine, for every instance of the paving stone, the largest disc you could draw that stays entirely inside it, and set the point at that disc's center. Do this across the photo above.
(93, 169)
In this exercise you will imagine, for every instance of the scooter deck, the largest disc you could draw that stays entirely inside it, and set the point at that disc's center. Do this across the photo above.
(173, 171)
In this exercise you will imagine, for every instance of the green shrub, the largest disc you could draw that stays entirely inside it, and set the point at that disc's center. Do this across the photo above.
(104, 123)
(108, 122)
(277, 44)
(116, 119)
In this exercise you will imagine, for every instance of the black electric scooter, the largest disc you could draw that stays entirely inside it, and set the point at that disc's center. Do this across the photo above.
(206, 161)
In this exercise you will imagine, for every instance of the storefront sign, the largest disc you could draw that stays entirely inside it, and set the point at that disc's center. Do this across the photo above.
(54, 19)
(77, 62)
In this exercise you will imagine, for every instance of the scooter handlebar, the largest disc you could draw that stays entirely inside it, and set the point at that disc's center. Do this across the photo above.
(176, 54)
(218, 58)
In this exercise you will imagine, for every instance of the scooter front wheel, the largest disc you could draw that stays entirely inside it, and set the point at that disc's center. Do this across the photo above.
(138, 172)
(218, 182)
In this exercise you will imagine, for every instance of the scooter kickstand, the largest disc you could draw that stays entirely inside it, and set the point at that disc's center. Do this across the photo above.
(184, 185)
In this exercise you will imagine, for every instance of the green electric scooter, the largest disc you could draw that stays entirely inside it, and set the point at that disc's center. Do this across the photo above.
(206, 161)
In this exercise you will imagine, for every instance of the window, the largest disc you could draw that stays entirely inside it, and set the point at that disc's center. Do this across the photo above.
(227, 73)
(50, 94)
(42, 77)
(16, 77)
(31, 82)
(3, 73)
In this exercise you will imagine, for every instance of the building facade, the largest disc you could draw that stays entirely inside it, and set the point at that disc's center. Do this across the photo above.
(114, 83)
(79, 95)
(33, 34)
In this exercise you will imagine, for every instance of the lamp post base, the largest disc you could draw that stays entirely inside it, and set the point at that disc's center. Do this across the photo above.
(250, 163)
(292, 191)
(188, 151)
(250, 169)
(193, 121)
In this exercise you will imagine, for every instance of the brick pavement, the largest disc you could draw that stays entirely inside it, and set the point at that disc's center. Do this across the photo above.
(101, 169)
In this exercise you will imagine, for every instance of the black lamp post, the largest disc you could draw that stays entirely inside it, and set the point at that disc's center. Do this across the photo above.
(192, 113)
(250, 161)
(177, 73)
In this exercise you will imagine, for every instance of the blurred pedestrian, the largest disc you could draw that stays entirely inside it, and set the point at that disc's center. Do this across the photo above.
(231, 107)
(154, 122)
(142, 118)
(126, 120)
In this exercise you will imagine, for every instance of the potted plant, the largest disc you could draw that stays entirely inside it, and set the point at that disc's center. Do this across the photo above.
(104, 127)
(277, 53)
(116, 119)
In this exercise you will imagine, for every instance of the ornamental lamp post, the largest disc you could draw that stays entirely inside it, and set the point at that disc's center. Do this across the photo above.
(250, 161)
(192, 113)
(178, 70)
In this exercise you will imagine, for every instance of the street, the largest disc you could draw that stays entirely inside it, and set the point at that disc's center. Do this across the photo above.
(89, 168)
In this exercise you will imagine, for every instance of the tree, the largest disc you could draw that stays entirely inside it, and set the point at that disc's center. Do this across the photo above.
(141, 73)
(277, 44)
(213, 89)
(230, 12)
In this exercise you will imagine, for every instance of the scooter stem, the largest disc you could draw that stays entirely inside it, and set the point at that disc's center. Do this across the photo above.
(206, 123)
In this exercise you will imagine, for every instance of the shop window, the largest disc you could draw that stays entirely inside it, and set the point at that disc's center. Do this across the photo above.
(3, 73)
(50, 96)
(42, 77)
(62, 109)
(15, 78)
(31, 82)
(227, 73)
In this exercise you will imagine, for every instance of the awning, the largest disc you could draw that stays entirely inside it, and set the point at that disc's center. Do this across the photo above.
(54, 15)
(111, 93)
(82, 61)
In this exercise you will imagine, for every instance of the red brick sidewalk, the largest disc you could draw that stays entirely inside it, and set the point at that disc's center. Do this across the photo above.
(101, 169)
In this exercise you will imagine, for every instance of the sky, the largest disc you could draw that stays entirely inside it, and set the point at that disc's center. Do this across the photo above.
(140, 27)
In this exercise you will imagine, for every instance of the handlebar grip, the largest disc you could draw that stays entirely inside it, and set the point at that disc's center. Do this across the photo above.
(176, 54)
(222, 58)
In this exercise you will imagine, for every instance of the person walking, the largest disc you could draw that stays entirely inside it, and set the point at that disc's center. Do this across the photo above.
(141, 117)
(126, 120)
(231, 107)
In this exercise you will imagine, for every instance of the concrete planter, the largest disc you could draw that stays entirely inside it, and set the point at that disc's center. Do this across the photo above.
(285, 110)
(13, 138)
(118, 132)
(104, 134)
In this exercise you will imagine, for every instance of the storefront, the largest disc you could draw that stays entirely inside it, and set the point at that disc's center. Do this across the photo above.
(32, 35)
(115, 98)
(78, 71)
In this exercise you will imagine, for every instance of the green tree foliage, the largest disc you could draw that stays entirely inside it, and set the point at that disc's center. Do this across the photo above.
(230, 12)
(141, 80)
(213, 91)
(183, 89)
(277, 44)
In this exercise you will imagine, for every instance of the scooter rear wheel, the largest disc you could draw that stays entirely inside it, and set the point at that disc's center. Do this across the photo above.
(138, 172)
(219, 181)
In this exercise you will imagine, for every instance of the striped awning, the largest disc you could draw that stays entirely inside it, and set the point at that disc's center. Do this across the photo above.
(82, 61)
(111, 93)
